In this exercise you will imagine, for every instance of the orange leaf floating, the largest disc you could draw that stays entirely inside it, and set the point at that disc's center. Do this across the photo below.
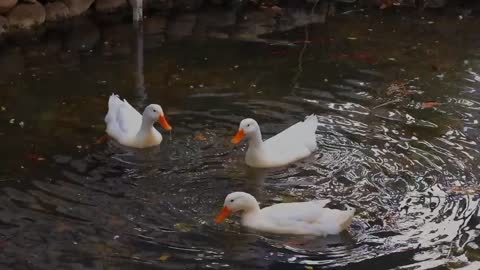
(164, 258)
(35, 157)
(102, 139)
(388, 3)
(199, 137)
(431, 104)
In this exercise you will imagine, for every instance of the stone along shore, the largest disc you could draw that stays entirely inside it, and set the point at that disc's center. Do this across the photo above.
(26, 14)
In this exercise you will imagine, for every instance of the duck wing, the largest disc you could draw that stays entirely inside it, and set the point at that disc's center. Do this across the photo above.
(128, 118)
(308, 217)
(297, 211)
(293, 143)
(301, 133)
(122, 119)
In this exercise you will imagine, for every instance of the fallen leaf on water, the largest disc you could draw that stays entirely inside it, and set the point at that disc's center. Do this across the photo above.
(364, 56)
(431, 104)
(199, 137)
(35, 157)
(301, 41)
(183, 227)
(276, 8)
(63, 227)
(116, 221)
(3, 244)
(103, 249)
(102, 139)
(164, 258)
(287, 198)
(279, 52)
(465, 190)
(398, 87)
(388, 3)
(356, 56)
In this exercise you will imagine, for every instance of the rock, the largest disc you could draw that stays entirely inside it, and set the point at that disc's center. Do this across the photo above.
(56, 11)
(77, 7)
(3, 25)
(25, 16)
(109, 5)
(6, 5)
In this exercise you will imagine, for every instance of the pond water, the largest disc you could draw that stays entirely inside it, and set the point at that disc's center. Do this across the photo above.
(397, 100)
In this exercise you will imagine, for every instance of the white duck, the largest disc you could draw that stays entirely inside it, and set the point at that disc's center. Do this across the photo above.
(130, 128)
(290, 145)
(302, 218)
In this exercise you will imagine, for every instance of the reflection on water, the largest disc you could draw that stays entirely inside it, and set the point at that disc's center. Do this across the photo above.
(397, 105)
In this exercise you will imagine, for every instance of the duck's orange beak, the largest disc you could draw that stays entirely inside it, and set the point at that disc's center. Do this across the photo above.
(164, 122)
(223, 215)
(239, 136)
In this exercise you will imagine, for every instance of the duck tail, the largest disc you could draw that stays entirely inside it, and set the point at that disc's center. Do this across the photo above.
(311, 122)
(113, 103)
(113, 100)
(312, 118)
(348, 215)
(309, 130)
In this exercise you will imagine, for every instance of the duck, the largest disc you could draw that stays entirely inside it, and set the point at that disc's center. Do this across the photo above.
(296, 218)
(292, 144)
(130, 128)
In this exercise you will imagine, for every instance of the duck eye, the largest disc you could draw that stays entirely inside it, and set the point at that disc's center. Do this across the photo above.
(154, 110)
(248, 125)
(231, 200)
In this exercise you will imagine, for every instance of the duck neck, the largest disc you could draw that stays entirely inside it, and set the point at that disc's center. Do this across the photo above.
(255, 141)
(146, 127)
(250, 214)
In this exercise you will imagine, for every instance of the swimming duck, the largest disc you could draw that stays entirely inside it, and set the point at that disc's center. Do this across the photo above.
(301, 218)
(290, 145)
(130, 128)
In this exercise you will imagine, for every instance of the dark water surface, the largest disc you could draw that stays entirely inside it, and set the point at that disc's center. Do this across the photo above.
(397, 101)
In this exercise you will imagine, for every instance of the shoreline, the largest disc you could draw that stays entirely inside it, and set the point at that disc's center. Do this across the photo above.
(30, 15)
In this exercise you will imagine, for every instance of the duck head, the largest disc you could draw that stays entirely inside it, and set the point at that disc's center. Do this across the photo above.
(155, 113)
(247, 129)
(237, 201)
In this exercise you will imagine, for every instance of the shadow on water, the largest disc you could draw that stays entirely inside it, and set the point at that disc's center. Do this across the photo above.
(397, 104)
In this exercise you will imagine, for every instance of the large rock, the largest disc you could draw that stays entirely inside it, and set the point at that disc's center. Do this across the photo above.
(56, 11)
(3, 25)
(6, 5)
(25, 16)
(78, 7)
(109, 5)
